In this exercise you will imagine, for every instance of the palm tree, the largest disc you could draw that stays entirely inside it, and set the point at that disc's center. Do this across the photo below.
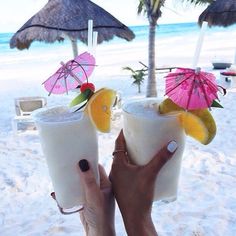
(137, 75)
(152, 9)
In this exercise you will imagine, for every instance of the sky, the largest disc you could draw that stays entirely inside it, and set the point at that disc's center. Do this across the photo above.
(14, 13)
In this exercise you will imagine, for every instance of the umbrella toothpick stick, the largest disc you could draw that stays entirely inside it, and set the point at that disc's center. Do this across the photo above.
(71, 73)
(199, 45)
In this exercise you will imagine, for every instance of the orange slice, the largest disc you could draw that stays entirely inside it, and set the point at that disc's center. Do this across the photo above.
(168, 106)
(99, 109)
(199, 124)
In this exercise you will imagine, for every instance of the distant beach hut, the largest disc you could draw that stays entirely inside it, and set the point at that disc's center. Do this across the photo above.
(220, 13)
(60, 19)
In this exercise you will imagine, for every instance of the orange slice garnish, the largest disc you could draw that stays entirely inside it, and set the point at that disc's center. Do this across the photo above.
(99, 109)
(199, 124)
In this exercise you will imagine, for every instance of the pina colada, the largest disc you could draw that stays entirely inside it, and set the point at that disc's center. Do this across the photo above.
(66, 138)
(146, 132)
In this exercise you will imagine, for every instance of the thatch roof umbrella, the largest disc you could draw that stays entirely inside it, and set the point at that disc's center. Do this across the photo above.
(220, 13)
(59, 19)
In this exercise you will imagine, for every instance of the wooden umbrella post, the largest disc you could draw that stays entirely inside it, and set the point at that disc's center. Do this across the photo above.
(74, 47)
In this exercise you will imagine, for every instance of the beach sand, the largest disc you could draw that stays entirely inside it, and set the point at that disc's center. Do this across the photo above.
(206, 202)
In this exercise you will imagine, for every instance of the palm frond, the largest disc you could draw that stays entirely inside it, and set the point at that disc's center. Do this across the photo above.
(141, 7)
(129, 69)
(198, 2)
(156, 6)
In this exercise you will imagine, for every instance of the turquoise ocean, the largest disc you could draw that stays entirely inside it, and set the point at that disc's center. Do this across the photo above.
(141, 32)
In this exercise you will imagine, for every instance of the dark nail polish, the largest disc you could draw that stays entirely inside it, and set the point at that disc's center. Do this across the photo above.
(53, 195)
(84, 165)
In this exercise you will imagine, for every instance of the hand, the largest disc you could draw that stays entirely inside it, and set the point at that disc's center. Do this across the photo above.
(133, 186)
(98, 214)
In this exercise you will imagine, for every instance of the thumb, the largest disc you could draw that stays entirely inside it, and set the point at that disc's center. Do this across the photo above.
(160, 159)
(88, 181)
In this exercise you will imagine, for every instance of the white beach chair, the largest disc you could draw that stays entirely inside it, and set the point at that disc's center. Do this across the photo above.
(24, 106)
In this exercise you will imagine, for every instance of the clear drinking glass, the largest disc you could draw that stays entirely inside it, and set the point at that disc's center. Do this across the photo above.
(66, 138)
(145, 133)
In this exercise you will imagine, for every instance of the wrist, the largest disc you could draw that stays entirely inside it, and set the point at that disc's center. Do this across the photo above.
(103, 227)
(139, 225)
(109, 231)
(106, 227)
(105, 230)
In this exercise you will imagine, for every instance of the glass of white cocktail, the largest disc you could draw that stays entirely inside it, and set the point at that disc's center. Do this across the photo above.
(66, 138)
(145, 133)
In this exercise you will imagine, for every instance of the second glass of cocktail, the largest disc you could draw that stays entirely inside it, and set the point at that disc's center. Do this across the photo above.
(146, 132)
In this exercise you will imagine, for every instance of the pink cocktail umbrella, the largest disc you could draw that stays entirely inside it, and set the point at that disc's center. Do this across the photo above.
(191, 88)
(70, 74)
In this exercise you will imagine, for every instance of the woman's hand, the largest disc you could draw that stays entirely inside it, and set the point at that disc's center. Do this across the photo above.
(97, 215)
(133, 186)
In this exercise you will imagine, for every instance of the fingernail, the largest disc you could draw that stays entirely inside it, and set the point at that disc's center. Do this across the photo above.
(172, 146)
(53, 195)
(84, 165)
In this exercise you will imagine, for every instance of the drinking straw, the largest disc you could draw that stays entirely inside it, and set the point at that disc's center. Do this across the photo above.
(95, 39)
(90, 35)
(199, 44)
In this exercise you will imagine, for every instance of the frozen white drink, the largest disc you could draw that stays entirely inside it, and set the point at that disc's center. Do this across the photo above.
(145, 133)
(66, 138)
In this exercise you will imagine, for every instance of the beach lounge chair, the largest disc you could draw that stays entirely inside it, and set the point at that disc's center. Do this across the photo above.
(162, 69)
(24, 106)
(221, 65)
(165, 69)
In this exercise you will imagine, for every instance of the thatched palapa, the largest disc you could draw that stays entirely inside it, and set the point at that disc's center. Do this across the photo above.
(59, 19)
(219, 13)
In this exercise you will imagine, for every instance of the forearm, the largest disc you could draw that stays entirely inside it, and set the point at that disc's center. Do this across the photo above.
(103, 226)
(108, 228)
(139, 226)
(109, 231)
(109, 213)
(103, 231)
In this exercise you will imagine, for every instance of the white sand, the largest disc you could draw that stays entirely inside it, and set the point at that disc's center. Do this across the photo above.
(206, 202)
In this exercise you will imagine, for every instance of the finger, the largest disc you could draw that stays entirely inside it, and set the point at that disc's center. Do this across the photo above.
(104, 181)
(120, 152)
(120, 142)
(160, 159)
(88, 181)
